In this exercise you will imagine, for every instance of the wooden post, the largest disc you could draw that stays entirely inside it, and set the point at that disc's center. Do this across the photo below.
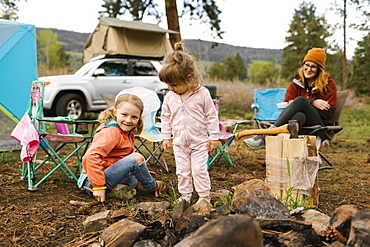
(291, 163)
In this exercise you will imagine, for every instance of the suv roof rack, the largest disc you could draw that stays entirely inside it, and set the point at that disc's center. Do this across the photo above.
(126, 56)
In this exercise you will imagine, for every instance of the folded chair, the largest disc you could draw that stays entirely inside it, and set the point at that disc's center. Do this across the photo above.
(53, 135)
(226, 139)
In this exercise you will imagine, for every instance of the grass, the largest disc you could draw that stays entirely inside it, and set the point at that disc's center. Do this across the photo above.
(236, 98)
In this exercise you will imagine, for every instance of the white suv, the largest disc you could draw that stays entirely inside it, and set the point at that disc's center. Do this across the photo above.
(79, 93)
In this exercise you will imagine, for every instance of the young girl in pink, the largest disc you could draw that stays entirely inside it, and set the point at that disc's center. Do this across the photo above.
(190, 118)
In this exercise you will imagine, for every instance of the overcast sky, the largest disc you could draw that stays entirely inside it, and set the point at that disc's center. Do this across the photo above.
(250, 23)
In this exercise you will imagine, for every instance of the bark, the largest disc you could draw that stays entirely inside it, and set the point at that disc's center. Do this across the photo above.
(173, 21)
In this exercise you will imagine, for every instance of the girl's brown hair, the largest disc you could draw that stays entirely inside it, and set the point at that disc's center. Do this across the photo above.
(180, 67)
(319, 80)
(110, 113)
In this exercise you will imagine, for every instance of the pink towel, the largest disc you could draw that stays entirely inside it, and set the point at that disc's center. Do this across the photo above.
(25, 132)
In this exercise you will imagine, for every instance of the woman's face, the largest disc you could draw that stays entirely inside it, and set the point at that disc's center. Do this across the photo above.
(310, 69)
(128, 116)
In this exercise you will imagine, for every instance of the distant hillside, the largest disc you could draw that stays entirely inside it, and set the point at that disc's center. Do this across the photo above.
(73, 41)
(221, 51)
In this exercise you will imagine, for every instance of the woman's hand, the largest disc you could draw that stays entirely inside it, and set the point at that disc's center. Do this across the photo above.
(212, 145)
(321, 104)
(99, 195)
(166, 145)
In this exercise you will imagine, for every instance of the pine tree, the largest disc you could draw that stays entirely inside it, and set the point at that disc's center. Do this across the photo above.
(361, 68)
(306, 31)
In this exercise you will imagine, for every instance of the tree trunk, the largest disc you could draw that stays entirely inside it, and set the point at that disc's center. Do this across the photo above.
(173, 21)
(344, 58)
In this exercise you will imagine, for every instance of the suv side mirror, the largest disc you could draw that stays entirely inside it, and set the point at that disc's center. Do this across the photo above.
(98, 72)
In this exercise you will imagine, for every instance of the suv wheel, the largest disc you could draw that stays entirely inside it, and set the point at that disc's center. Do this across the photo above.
(70, 104)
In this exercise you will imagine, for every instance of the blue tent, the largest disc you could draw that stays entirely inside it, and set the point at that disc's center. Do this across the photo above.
(18, 66)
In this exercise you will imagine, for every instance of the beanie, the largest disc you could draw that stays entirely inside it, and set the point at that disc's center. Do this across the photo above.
(316, 55)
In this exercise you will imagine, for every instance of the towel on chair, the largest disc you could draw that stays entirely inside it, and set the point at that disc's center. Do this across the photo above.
(25, 132)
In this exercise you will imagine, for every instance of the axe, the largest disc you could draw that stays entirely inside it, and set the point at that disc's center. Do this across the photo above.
(291, 127)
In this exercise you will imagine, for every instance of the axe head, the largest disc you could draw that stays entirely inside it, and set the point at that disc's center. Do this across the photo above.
(293, 129)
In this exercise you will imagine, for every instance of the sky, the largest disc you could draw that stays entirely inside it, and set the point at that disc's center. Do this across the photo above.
(247, 23)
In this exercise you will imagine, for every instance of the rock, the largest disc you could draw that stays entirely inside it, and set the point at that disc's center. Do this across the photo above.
(121, 233)
(261, 207)
(303, 238)
(146, 243)
(254, 197)
(153, 206)
(254, 187)
(233, 230)
(98, 221)
(314, 215)
(360, 229)
(200, 208)
(341, 219)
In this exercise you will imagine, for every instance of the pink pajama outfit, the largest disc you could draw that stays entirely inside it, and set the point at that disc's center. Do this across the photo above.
(191, 124)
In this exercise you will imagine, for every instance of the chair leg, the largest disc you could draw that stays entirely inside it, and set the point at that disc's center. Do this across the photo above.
(331, 166)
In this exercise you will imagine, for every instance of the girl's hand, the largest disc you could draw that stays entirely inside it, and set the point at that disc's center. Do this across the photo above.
(99, 195)
(166, 145)
(212, 145)
(321, 104)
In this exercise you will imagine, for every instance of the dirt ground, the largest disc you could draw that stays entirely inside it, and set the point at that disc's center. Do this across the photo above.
(46, 218)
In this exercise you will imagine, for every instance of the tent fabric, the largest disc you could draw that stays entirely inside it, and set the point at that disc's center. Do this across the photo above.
(18, 66)
(133, 38)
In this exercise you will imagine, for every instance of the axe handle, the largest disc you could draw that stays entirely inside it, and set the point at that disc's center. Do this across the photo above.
(274, 131)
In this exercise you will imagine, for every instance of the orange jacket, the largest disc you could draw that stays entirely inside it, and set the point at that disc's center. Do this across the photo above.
(110, 144)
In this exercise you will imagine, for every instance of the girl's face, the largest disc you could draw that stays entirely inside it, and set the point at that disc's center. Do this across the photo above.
(178, 88)
(310, 69)
(128, 116)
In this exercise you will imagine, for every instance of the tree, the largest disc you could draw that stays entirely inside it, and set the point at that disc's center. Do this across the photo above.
(205, 11)
(306, 31)
(50, 51)
(9, 9)
(361, 67)
(235, 68)
(264, 73)
(217, 71)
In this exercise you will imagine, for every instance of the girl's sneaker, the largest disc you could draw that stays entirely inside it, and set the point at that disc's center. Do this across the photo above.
(182, 198)
(207, 199)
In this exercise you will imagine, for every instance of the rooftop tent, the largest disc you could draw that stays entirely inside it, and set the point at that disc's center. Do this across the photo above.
(133, 38)
(18, 67)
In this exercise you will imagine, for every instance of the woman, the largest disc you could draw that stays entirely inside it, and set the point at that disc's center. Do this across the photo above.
(312, 97)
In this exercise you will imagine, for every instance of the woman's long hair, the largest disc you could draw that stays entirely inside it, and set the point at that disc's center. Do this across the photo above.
(319, 81)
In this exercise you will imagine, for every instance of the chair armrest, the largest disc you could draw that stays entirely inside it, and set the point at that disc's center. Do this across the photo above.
(255, 106)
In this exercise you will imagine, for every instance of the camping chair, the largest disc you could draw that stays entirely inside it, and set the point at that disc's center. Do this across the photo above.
(150, 141)
(264, 106)
(327, 133)
(226, 139)
(53, 134)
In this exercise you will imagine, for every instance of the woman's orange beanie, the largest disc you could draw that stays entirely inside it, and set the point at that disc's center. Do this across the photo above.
(316, 55)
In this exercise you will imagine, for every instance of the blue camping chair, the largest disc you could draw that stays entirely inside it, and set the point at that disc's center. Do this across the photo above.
(264, 106)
